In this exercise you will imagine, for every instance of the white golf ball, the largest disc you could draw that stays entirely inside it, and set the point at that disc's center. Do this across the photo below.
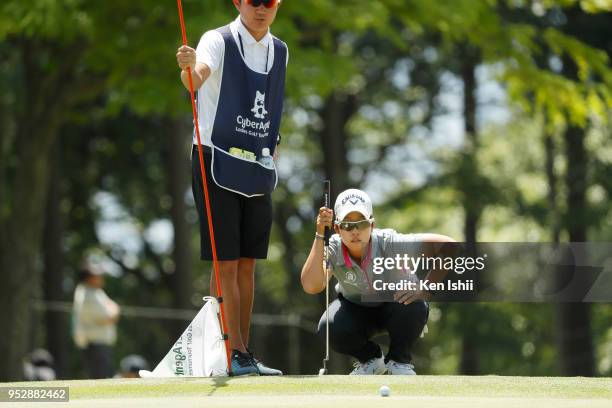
(384, 391)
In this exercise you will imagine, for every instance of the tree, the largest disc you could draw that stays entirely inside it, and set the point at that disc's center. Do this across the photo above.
(61, 54)
(102, 77)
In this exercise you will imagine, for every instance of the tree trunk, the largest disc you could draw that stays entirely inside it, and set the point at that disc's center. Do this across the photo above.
(337, 111)
(573, 320)
(469, 358)
(575, 340)
(551, 178)
(179, 179)
(55, 322)
(282, 212)
(19, 252)
(22, 225)
(5, 142)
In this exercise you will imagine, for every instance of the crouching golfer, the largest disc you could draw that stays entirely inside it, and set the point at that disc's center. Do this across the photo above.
(353, 322)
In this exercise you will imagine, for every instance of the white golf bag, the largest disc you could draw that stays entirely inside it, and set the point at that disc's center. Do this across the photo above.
(199, 352)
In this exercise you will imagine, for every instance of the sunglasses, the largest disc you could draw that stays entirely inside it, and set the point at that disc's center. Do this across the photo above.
(351, 225)
(266, 3)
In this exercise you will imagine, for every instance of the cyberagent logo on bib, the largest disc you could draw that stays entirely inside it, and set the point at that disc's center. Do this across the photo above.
(259, 108)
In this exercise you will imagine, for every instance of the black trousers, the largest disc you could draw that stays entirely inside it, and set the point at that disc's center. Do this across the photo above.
(352, 327)
(99, 360)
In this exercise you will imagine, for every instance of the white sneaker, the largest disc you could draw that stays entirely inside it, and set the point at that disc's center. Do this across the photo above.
(263, 369)
(373, 366)
(395, 368)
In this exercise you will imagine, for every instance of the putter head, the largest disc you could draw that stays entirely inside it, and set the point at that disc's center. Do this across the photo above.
(323, 371)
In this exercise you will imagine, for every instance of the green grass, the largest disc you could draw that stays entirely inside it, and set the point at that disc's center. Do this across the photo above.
(339, 391)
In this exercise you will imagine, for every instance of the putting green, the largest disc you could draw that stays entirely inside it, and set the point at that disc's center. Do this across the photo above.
(336, 391)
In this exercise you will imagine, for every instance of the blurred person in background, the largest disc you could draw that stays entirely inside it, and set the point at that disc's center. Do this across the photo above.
(95, 317)
(130, 365)
(39, 366)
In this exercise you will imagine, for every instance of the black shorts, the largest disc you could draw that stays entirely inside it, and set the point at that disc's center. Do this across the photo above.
(241, 224)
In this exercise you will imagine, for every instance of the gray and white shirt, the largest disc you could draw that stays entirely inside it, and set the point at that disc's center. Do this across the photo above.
(356, 277)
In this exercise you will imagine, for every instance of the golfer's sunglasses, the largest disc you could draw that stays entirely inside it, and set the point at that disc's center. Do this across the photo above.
(351, 225)
(266, 3)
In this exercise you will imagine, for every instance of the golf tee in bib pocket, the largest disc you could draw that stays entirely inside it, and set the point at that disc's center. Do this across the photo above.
(247, 121)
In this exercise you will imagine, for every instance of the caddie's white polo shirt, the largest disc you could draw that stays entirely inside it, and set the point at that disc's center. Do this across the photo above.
(211, 51)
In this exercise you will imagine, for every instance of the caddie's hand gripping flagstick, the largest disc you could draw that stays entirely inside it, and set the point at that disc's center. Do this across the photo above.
(323, 371)
(207, 201)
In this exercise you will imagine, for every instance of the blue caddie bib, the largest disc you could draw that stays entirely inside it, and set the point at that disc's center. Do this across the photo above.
(248, 117)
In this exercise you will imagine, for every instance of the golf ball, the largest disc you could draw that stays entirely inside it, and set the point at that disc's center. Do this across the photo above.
(384, 391)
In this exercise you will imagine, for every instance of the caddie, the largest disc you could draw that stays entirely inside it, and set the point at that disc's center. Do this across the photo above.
(239, 74)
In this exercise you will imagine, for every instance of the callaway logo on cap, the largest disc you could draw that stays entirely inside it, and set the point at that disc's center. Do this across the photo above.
(353, 200)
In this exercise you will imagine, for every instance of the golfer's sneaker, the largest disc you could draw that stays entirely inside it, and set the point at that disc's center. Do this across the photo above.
(395, 368)
(373, 366)
(263, 370)
(242, 364)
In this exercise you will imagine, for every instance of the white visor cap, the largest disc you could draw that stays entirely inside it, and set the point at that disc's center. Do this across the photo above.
(353, 200)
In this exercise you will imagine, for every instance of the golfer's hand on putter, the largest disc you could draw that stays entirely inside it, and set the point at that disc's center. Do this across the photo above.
(186, 57)
(408, 296)
(324, 219)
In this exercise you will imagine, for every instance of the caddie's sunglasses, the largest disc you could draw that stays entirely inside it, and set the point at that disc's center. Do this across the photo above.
(266, 3)
(351, 225)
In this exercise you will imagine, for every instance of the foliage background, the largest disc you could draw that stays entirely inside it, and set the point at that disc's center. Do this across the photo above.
(485, 120)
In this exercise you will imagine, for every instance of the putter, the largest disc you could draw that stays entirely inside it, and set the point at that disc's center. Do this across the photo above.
(323, 371)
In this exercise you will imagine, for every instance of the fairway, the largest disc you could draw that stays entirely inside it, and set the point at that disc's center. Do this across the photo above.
(336, 391)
